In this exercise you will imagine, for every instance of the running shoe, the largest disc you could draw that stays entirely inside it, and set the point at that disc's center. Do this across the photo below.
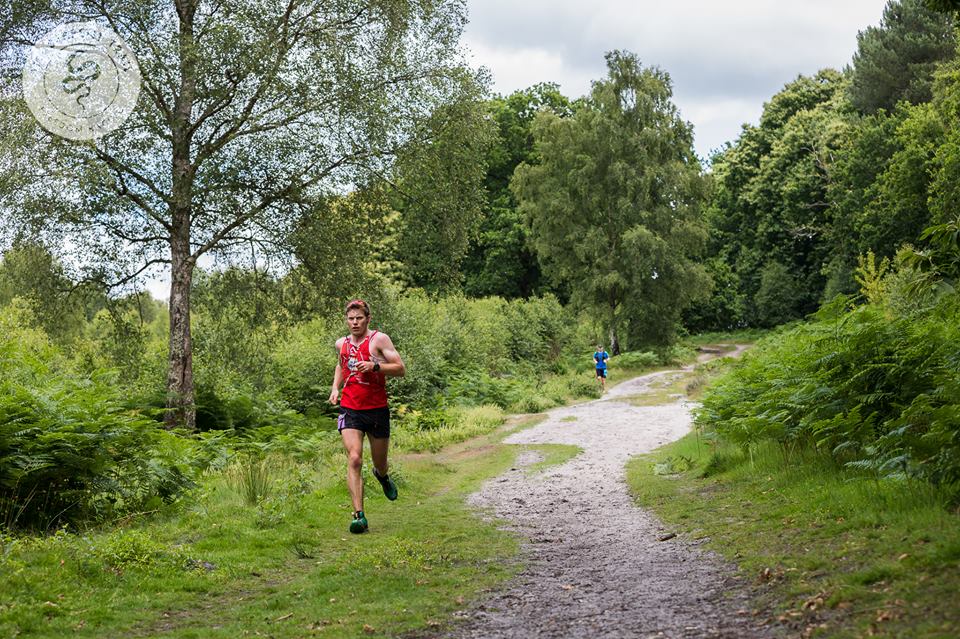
(389, 488)
(359, 523)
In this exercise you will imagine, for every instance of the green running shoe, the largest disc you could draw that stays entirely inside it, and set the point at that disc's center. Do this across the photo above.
(359, 523)
(389, 488)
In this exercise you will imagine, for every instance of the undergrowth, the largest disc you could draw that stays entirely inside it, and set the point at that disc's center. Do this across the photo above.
(829, 550)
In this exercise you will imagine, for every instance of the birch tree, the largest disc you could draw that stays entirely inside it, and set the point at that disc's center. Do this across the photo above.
(250, 112)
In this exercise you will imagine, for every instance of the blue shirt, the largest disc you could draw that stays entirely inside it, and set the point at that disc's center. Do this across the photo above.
(601, 359)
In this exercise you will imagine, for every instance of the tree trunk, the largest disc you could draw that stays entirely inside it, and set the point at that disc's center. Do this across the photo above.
(614, 341)
(181, 410)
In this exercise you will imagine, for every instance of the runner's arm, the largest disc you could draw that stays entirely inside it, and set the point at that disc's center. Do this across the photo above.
(337, 376)
(391, 364)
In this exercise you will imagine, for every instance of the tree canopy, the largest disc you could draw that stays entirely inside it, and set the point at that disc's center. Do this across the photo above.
(613, 204)
(895, 61)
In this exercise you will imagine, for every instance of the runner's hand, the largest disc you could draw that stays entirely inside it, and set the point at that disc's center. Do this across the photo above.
(334, 395)
(365, 366)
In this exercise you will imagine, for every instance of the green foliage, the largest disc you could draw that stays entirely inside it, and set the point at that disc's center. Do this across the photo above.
(776, 300)
(636, 359)
(944, 6)
(870, 276)
(613, 204)
(769, 214)
(799, 198)
(432, 430)
(673, 465)
(499, 261)
(330, 240)
(940, 259)
(127, 549)
(31, 272)
(871, 389)
(895, 61)
(69, 449)
(237, 318)
(440, 191)
(898, 206)
(252, 477)
(725, 308)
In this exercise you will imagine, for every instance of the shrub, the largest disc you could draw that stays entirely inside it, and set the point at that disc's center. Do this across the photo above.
(126, 549)
(878, 392)
(70, 451)
(635, 359)
(533, 404)
(458, 425)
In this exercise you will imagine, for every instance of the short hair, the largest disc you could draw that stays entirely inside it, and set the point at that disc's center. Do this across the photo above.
(358, 304)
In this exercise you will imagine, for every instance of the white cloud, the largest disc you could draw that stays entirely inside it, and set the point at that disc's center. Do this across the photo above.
(713, 120)
(523, 67)
(725, 58)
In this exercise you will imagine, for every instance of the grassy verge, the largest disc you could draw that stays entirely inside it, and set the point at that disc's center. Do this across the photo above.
(284, 567)
(745, 336)
(834, 555)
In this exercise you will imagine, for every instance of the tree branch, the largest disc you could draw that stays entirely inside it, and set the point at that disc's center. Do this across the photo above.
(123, 280)
(119, 169)
(269, 200)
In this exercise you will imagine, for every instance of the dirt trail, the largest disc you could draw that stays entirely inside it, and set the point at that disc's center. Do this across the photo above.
(594, 565)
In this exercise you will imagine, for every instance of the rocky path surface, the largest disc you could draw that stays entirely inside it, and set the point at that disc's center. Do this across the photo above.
(594, 563)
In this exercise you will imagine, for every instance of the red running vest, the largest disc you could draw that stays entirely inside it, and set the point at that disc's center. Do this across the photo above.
(362, 391)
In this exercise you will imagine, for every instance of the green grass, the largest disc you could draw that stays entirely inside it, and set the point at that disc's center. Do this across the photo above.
(286, 567)
(833, 554)
(745, 336)
(553, 455)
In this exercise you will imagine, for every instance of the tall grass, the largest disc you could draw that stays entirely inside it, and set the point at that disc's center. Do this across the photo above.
(417, 434)
(252, 477)
(838, 553)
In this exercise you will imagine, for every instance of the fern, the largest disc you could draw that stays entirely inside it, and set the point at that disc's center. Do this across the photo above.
(878, 392)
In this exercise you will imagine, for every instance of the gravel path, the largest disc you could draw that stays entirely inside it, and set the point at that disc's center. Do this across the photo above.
(594, 565)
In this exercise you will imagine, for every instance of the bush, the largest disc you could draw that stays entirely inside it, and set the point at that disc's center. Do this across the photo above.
(533, 404)
(875, 391)
(70, 451)
(457, 424)
(777, 301)
(635, 359)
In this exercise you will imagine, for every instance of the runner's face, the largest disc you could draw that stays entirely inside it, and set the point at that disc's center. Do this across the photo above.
(357, 322)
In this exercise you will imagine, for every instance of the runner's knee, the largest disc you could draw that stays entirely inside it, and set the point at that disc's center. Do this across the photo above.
(355, 460)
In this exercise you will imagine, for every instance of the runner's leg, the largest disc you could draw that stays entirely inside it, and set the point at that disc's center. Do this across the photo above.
(378, 451)
(353, 443)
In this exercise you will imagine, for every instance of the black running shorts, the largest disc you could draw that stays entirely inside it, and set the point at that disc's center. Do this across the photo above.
(602, 372)
(374, 422)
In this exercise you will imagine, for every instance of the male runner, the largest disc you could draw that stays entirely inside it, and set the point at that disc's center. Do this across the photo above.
(365, 358)
(600, 358)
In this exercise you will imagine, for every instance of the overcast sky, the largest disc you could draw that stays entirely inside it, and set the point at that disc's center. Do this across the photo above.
(725, 58)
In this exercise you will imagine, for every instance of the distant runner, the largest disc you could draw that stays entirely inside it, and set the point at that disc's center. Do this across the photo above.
(600, 358)
(365, 359)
